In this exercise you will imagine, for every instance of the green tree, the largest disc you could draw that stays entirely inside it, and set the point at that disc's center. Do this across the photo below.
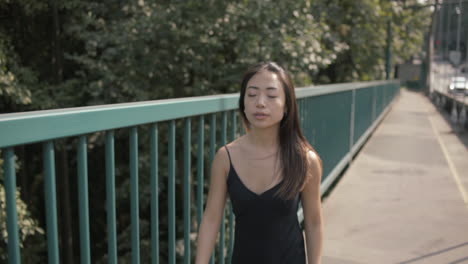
(362, 25)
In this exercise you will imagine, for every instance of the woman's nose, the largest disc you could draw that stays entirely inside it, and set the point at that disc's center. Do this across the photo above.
(261, 101)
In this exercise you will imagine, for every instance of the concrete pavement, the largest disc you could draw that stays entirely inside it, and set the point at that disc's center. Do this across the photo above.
(404, 198)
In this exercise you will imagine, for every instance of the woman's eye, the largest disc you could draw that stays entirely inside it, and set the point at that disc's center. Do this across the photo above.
(272, 96)
(251, 95)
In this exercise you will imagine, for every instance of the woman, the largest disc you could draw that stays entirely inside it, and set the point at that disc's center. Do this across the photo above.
(266, 173)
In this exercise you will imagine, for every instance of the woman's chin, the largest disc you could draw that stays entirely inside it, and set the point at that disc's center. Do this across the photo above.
(262, 126)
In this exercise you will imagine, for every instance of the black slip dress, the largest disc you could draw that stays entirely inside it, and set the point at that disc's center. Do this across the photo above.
(267, 230)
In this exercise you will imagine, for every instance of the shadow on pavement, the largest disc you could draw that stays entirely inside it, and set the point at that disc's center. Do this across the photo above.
(438, 253)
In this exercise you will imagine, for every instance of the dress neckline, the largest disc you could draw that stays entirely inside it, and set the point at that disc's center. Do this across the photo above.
(233, 170)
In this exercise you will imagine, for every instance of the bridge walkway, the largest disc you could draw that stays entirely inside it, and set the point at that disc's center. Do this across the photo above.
(404, 199)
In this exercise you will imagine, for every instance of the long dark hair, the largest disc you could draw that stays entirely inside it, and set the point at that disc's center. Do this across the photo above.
(293, 146)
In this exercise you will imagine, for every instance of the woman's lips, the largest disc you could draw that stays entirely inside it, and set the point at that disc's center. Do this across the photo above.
(260, 116)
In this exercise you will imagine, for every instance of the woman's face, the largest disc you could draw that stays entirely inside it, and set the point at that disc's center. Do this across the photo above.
(264, 100)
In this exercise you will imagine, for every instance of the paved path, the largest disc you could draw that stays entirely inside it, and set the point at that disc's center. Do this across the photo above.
(404, 199)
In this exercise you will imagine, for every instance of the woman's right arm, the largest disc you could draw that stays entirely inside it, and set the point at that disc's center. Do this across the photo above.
(214, 209)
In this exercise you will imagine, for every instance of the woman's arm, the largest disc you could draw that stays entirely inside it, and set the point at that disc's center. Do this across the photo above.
(214, 209)
(311, 204)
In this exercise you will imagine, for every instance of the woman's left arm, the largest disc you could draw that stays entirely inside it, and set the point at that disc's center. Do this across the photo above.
(312, 208)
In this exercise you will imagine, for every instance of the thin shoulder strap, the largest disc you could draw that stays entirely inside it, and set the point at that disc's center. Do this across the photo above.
(229, 155)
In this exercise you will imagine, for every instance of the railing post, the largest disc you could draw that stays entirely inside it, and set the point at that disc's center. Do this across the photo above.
(135, 224)
(374, 103)
(83, 200)
(200, 168)
(51, 203)
(231, 212)
(223, 226)
(212, 154)
(154, 194)
(352, 124)
(110, 198)
(12, 217)
(171, 193)
(187, 186)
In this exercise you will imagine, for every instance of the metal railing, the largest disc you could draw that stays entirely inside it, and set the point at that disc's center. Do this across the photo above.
(336, 120)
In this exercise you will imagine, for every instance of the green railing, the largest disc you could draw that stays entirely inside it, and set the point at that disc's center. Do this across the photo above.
(336, 119)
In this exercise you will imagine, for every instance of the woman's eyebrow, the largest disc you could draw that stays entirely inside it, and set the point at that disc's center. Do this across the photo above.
(268, 88)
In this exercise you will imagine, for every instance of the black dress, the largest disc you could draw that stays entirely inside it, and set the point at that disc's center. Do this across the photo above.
(267, 229)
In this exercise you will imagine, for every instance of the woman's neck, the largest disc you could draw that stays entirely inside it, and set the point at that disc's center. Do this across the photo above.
(264, 139)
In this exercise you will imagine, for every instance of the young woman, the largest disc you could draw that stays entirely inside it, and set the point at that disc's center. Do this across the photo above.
(266, 173)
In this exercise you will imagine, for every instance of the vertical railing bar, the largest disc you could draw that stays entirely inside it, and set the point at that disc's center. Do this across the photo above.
(387, 94)
(351, 124)
(301, 106)
(303, 117)
(171, 192)
(374, 103)
(135, 225)
(384, 96)
(110, 198)
(212, 154)
(377, 99)
(313, 137)
(231, 213)
(223, 226)
(308, 108)
(308, 103)
(382, 88)
(212, 137)
(224, 128)
(51, 203)
(154, 174)
(308, 116)
(200, 168)
(12, 216)
(83, 200)
(234, 125)
(187, 186)
(390, 93)
(380, 102)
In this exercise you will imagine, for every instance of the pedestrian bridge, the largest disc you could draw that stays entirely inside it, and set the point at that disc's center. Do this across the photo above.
(402, 199)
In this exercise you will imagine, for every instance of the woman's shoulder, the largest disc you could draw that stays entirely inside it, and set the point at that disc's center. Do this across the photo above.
(312, 156)
(235, 145)
(223, 154)
(315, 163)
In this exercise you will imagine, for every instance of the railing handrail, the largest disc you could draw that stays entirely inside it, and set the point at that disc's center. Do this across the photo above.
(338, 87)
(37, 126)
